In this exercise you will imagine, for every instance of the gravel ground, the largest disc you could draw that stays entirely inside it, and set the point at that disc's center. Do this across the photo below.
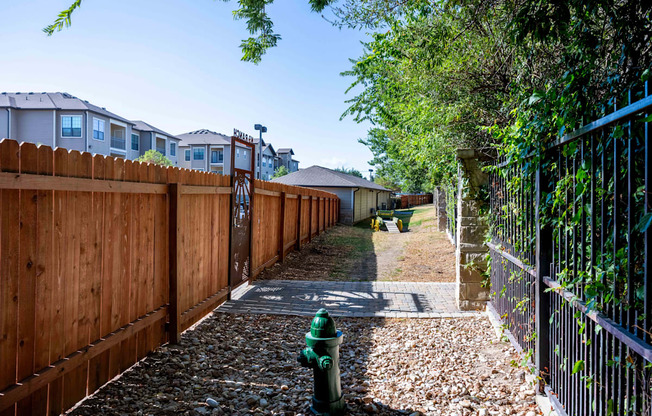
(246, 364)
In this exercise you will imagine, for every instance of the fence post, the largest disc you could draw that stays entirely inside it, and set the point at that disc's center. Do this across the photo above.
(543, 260)
(310, 219)
(299, 209)
(281, 237)
(173, 259)
(470, 249)
(327, 213)
(319, 214)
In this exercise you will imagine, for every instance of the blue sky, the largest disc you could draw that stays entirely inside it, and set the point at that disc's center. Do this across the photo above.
(176, 64)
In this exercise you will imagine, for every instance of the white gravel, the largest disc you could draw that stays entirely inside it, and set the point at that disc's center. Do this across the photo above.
(246, 364)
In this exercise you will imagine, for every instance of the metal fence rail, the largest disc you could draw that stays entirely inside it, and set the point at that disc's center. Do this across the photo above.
(569, 263)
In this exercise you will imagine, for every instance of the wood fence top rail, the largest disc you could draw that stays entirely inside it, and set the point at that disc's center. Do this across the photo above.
(9, 180)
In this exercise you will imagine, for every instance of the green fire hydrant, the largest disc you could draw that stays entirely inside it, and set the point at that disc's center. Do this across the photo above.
(323, 356)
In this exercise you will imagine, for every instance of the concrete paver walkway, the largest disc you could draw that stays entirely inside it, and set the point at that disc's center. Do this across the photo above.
(350, 299)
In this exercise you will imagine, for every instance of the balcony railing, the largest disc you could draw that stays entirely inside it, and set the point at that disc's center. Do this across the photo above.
(161, 150)
(118, 143)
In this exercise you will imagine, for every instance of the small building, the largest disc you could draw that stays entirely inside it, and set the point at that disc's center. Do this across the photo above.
(359, 198)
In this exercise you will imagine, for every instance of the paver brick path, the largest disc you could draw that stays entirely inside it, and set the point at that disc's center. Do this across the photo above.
(352, 299)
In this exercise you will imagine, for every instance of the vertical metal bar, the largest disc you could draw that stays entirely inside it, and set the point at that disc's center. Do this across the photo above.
(647, 244)
(595, 344)
(543, 258)
(630, 321)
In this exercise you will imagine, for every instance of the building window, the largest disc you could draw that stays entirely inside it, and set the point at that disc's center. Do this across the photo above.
(217, 156)
(188, 155)
(71, 126)
(135, 141)
(173, 149)
(198, 153)
(237, 152)
(98, 129)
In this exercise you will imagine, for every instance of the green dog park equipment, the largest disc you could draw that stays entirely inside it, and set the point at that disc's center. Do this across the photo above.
(385, 214)
(404, 216)
(323, 356)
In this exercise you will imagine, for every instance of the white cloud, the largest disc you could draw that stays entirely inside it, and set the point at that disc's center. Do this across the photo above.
(334, 162)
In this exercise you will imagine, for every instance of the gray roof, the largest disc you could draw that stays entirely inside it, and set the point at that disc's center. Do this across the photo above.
(203, 136)
(323, 177)
(53, 101)
(285, 150)
(270, 147)
(142, 126)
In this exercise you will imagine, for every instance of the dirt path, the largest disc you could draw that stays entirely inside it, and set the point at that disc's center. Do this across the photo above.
(356, 253)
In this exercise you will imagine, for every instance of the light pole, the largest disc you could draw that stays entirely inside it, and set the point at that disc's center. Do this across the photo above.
(262, 129)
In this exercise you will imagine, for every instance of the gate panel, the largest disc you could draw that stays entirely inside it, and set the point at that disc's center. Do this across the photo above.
(241, 210)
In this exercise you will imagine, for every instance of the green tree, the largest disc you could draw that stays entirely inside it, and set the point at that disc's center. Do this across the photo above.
(387, 183)
(280, 171)
(155, 157)
(349, 13)
(349, 171)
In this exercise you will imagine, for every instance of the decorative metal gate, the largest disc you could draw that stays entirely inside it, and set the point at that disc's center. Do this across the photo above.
(242, 181)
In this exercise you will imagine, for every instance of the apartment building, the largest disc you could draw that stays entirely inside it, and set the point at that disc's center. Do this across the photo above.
(268, 163)
(286, 158)
(146, 137)
(210, 151)
(62, 120)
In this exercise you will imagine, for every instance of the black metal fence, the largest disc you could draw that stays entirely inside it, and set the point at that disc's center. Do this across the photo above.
(569, 268)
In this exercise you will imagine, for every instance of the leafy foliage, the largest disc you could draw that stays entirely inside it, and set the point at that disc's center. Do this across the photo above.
(280, 171)
(258, 21)
(349, 171)
(387, 183)
(155, 157)
(63, 19)
(432, 83)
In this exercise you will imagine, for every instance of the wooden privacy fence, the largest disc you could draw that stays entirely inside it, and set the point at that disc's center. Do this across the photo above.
(103, 260)
(408, 201)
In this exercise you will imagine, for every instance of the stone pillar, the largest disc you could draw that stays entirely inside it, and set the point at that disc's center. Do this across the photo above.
(440, 208)
(471, 229)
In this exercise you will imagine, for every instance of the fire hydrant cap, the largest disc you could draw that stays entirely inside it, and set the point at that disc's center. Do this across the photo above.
(322, 325)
